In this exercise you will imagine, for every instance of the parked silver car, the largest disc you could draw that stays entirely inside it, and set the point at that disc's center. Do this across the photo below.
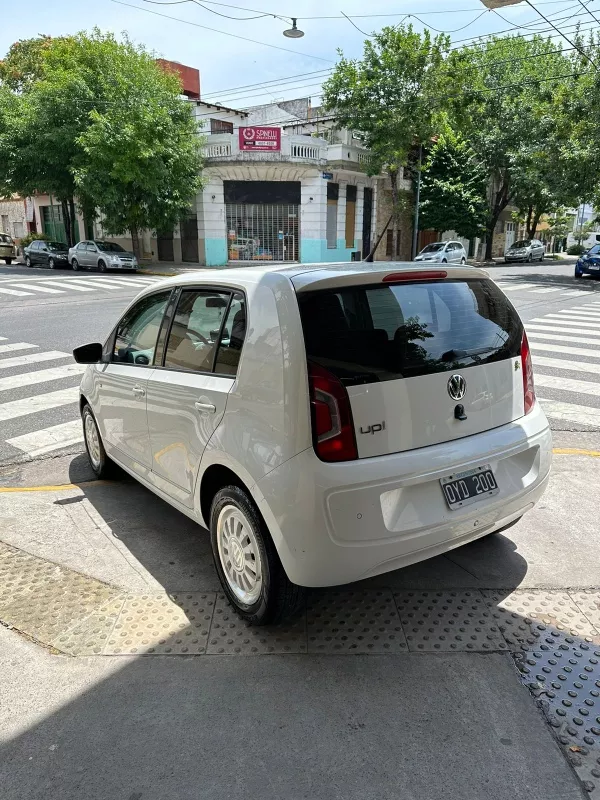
(525, 250)
(444, 253)
(101, 255)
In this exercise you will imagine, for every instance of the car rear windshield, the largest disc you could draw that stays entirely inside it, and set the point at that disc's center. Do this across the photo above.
(365, 334)
(58, 246)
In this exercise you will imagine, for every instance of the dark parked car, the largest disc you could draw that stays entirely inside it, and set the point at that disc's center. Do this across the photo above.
(589, 263)
(46, 254)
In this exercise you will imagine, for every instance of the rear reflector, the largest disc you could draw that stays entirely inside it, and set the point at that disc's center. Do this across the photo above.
(333, 428)
(527, 370)
(415, 275)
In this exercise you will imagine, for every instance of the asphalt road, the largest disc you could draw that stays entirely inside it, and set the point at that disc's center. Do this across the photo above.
(45, 314)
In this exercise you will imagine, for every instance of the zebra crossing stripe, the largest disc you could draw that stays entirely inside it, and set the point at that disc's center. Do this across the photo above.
(558, 348)
(571, 412)
(567, 385)
(554, 319)
(547, 290)
(40, 402)
(11, 348)
(40, 376)
(559, 363)
(561, 338)
(15, 292)
(35, 288)
(99, 283)
(67, 284)
(581, 312)
(46, 440)
(32, 358)
(560, 329)
(515, 288)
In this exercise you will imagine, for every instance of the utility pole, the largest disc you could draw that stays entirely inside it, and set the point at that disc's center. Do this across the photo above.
(415, 241)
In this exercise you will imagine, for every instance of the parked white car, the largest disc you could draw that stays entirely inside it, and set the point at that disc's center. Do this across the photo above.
(101, 255)
(443, 253)
(326, 422)
(526, 250)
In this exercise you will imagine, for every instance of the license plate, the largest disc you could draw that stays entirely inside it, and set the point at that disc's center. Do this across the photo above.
(593, 267)
(467, 487)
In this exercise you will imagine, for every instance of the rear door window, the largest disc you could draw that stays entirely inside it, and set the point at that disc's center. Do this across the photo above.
(196, 329)
(365, 334)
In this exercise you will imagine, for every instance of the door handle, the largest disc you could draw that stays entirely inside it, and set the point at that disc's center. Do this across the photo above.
(210, 407)
(139, 391)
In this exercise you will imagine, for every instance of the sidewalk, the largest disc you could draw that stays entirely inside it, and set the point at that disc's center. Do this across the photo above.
(459, 677)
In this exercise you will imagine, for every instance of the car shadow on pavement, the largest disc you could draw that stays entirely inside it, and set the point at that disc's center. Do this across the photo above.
(544, 279)
(401, 686)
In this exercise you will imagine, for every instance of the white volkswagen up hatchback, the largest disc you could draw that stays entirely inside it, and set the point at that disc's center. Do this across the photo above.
(327, 423)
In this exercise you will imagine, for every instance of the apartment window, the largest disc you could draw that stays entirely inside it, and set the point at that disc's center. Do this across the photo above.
(18, 230)
(333, 193)
(350, 215)
(221, 126)
(4, 223)
(389, 244)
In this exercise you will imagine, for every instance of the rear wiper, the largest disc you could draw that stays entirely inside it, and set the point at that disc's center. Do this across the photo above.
(450, 355)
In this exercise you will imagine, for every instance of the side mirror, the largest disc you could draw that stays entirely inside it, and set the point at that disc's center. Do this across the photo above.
(88, 353)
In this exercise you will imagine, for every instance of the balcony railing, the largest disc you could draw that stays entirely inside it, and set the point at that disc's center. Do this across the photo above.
(304, 149)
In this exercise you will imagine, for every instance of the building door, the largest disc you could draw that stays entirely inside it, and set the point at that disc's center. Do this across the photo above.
(510, 234)
(165, 247)
(262, 220)
(189, 239)
(367, 218)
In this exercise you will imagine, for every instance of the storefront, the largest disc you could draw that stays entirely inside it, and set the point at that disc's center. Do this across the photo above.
(262, 220)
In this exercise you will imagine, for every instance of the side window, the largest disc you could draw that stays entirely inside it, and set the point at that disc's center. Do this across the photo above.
(34, 245)
(232, 339)
(81, 245)
(196, 329)
(137, 332)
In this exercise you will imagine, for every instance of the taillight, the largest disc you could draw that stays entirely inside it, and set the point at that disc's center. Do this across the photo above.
(415, 275)
(527, 370)
(333, 429)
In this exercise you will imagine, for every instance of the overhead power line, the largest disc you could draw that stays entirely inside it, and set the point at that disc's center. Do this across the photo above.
(224, 33)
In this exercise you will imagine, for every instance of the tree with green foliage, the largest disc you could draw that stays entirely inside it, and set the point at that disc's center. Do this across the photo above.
(393, 97)
(503, 101)
(453, 188)
(98, 119)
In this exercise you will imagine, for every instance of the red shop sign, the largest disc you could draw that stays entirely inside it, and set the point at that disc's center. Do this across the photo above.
(259, 138)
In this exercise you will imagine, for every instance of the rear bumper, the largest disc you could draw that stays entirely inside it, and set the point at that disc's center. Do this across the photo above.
(338, 523)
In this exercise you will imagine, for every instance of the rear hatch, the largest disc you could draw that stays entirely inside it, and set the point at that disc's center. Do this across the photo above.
(423, 359)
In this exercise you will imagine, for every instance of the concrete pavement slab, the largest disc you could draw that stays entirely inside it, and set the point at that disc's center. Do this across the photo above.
(324, 728)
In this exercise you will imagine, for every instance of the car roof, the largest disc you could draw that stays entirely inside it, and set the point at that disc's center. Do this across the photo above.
(314, 276)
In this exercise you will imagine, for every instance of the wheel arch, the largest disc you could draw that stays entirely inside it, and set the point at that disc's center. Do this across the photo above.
(215, 477)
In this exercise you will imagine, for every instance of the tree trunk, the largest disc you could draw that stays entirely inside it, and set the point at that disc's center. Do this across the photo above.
(67, 222)
(73, 221)
(534, 224)
(528, 222)
(135, 242)
(500, 202)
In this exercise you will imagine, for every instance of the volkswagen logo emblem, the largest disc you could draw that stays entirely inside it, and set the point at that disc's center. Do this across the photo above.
(457, 387)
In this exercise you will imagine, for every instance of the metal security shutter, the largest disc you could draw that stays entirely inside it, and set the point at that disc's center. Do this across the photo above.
(262, 231)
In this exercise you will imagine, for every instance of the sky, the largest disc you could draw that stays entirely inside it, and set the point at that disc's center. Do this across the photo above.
(197, 36)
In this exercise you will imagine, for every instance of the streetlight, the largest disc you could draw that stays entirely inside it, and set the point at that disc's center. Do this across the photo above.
(294, 32)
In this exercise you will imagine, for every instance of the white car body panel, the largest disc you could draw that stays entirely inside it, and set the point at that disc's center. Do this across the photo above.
(330, 522)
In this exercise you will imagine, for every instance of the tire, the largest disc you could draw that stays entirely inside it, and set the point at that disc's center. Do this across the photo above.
(75, 265)
(578, 274)
(102, 266)
(529, 258)
(261, 593)
(463, 261)
(444, 260)
(52, 263)
(27, 261)
(8, 261)
(100, 463)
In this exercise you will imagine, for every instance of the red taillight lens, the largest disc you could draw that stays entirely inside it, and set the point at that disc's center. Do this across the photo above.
(333, 427)
(527, 370)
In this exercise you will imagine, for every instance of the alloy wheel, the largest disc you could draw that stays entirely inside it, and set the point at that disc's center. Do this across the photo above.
(92, 440)
(240, 555)
(51, 264)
